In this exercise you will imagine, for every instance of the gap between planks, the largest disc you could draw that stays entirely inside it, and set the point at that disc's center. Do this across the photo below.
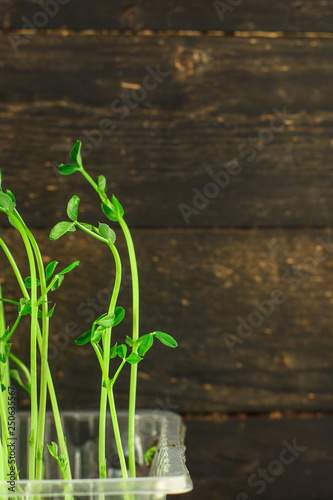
(197, 33)
(274, 415)
(211, 229)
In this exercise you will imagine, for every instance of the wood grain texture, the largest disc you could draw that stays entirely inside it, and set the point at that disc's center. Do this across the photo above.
(219, 95)
(196, 285)
(222, 457)
(303, 15)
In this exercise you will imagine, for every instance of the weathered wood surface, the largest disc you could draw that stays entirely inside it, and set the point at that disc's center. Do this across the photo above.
(196, 285)
(303, 15)
(225, 457)
(218, 93)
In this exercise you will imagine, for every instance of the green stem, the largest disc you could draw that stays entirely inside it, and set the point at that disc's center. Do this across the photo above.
(19, 224)
(135, 329)
(114, 378)
(18, 319)
(106, 359)
(135, 336)
(44, 360)
(3, 395)
(8, 301)
(53, 397)
(113, 413)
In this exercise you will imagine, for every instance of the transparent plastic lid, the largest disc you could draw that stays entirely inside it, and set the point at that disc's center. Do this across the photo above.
(166, 475)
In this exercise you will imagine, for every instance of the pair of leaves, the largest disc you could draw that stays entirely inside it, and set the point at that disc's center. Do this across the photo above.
(66, 227)
(121, 351)
(105, 321)
(118, 350)
(59, 276)
(25, 309)
(67, 169)
(49, 273)
(145, 342)
(114, 212)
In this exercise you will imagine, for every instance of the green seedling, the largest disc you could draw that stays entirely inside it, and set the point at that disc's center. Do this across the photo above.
(34, 303)
(100, 334)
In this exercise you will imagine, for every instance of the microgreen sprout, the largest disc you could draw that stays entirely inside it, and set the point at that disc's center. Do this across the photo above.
(35, 304)
(133, 350)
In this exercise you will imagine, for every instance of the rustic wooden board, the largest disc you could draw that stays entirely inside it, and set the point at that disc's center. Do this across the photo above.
(195, 285)
(304, 15)
(222, 457)
(219, 92)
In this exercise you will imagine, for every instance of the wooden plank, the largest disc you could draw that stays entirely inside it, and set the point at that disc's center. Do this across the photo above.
(218, 94)
(224, 459)
(196, 285)
(305, 15)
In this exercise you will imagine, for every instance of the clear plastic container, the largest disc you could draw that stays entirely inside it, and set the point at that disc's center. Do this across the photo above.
(166, 475)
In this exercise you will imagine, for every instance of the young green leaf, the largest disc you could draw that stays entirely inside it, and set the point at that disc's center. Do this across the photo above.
(122, 351)
(57, 283)
(102, 184)
(76, 154)
(69, 268)
(5, 354)
(62, 461)
(106, 321)
(53, 449)
(118, 206)
(144, 343)
(109, 212)
(129, 341)
(62, 228)
(165, 339)
(106, 232)
(149, 454)
(27, 282)
(84, 338)
(6, 203)
(89, 226)
(39, 313)
(67, 169)
(98, 333)
(51, 311)
(119, 315)
(3, 387)
(24, 307)
(12, 223)
(73, 208)
(15, 375)
(134, 358)
(113, 351)
(50, 269)
(11, 195)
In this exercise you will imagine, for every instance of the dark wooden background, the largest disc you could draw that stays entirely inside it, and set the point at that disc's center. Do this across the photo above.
(264, 231)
